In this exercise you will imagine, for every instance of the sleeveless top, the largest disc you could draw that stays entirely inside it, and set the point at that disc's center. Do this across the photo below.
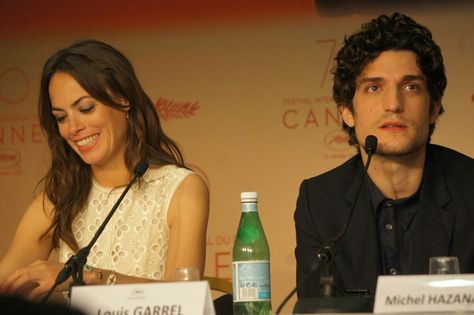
(135, 241)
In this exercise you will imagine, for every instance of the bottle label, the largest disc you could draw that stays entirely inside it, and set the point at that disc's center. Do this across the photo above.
(248, 207)
(251, 280)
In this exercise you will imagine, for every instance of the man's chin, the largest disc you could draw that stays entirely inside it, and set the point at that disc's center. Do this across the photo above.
(400, 151)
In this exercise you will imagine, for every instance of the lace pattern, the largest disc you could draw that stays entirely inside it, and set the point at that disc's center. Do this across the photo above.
(135, 242)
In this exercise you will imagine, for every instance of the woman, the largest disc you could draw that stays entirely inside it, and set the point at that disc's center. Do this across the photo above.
(99, 123)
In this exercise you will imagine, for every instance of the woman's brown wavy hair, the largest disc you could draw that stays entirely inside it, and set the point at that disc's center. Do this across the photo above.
(107, 76)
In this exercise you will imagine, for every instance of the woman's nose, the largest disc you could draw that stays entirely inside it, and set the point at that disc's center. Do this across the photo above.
(75, 125)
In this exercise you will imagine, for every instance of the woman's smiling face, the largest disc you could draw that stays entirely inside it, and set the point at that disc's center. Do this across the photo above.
(96, 132)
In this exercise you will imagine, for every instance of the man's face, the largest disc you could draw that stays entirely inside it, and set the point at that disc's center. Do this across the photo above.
(392, 102)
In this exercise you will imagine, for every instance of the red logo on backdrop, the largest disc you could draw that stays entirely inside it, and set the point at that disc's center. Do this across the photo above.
(472, 97)
(169, 109)
(9, 158)
(321, 112)
(337, 140)
(14, 86)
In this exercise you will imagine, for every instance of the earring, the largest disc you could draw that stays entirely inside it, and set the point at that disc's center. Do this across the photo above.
(127, 115)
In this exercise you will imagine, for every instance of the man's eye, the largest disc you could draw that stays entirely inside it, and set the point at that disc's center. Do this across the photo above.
(372, 88)
(411, 87)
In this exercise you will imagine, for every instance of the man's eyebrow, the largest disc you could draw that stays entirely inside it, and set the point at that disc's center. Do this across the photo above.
(414, 77)
(74, 104)
(406, 78)
(369, 79)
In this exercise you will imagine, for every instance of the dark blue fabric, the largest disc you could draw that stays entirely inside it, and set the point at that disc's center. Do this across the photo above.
(444, 221)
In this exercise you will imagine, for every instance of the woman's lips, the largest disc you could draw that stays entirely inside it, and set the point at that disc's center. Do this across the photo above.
(87, 143)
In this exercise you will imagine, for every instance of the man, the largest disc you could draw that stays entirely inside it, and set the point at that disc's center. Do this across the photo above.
(417, 200)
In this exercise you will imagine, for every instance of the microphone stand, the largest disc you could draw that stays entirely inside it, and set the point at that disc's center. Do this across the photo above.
(322, 257)
(75, 264)
(326, 253)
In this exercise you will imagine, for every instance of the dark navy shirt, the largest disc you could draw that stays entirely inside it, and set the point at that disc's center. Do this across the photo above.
(396, 226)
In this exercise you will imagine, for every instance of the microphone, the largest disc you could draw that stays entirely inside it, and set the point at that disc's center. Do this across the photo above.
(325, 254)
(370, 148)
(73, 266)
(142, 166)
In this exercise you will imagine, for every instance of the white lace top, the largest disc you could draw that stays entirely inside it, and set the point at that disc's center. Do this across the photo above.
(135, 241)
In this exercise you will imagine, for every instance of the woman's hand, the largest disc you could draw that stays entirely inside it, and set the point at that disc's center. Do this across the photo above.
(32, 280)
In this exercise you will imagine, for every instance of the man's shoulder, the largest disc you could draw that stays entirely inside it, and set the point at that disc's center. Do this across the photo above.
(453, 166)
(340, 175)
(449, 157)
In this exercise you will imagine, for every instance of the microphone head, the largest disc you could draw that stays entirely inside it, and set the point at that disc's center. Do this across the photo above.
(370, 144)
(140, 168)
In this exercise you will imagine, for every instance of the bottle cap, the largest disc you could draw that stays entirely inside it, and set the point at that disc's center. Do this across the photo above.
(249, 196)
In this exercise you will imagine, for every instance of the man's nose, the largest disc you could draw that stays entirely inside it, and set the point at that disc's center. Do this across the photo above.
(393, 100)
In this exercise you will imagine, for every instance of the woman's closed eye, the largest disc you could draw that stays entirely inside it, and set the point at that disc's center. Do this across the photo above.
(60, 118)
(87, 109)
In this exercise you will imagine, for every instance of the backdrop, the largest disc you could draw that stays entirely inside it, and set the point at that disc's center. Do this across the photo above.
(244, 88)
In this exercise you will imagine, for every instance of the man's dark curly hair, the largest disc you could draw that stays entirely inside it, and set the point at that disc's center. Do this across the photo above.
(396, 32)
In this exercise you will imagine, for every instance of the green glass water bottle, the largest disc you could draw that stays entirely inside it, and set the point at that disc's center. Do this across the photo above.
(251, 262)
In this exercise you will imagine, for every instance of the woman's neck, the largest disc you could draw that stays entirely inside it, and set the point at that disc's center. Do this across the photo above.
(112, 176)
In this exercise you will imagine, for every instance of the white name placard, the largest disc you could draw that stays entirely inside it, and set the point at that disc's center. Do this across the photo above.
(164, 298)
(425, 293)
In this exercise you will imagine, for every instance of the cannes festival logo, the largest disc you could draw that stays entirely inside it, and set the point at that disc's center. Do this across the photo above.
(9, 158)
(14, 86)
(169, 109)
(337, 140)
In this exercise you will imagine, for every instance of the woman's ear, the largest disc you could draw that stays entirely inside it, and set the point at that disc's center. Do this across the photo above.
(125, 105)
(347, 115)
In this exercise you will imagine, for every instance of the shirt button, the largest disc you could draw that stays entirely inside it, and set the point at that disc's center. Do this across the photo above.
(393, 271)
(388, 226)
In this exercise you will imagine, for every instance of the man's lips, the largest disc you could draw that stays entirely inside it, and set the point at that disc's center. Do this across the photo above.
(392, 125)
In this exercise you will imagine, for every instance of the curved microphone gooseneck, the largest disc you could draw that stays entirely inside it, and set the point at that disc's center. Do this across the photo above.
(74, 266)
(325, 254)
